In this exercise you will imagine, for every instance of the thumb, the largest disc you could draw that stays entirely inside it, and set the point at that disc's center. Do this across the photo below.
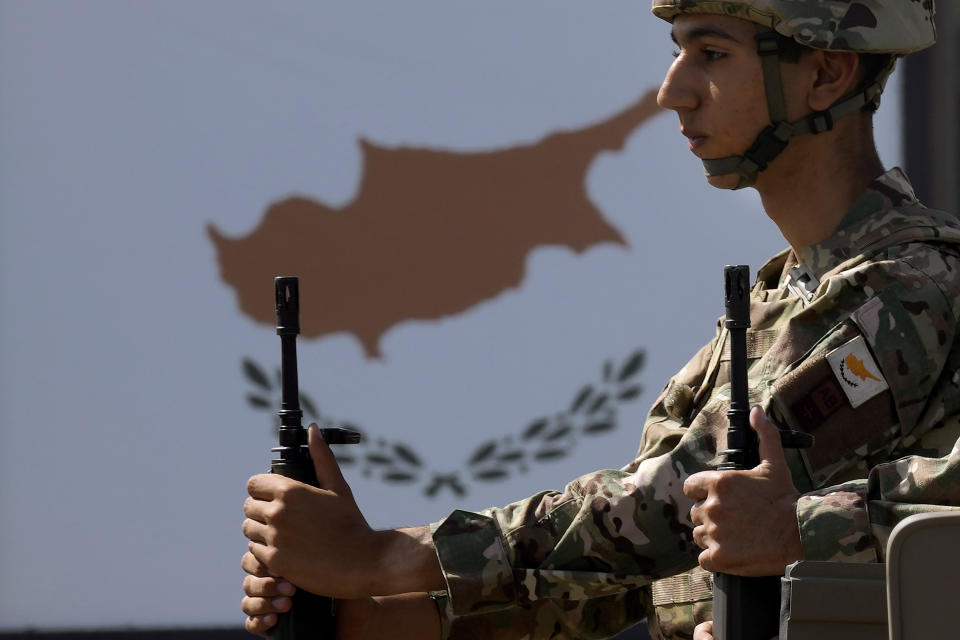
(324, 462)
(771, 449)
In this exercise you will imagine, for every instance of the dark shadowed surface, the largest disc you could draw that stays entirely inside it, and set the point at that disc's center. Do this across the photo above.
(638, 632)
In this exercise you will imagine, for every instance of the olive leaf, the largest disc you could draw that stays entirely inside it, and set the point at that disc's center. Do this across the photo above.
(535, 428)
(607, 370)
(407, 455)
(598, 427)
(598, 404)
(457, 488)
(440, 480)
(258, 401)
(550, 454)
(592, 412)
(559, 433)
(398, 476)
(581, 398)
(630, 393)
(483, 453)
(632, 366)
(490, 474)
(255, 374)
(511, 456)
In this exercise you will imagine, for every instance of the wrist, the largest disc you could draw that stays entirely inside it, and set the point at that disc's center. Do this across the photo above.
(411, 616)
(405, 561)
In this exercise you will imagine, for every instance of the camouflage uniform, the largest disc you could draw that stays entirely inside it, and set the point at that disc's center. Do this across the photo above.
(859, 349)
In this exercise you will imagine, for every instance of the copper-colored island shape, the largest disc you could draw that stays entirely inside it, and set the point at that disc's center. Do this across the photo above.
(430, 233)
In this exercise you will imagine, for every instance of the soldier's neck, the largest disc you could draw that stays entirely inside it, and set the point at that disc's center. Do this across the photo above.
(812, 185)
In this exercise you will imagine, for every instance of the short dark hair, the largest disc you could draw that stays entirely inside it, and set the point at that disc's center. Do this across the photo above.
(871, 66)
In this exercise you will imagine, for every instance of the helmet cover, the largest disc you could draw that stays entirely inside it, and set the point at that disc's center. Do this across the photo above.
(862, 26)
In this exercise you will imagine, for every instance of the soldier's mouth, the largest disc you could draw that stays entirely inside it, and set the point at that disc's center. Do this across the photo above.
(695, 139)
(696, 142)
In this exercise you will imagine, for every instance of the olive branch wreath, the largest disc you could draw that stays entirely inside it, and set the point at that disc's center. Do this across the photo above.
(592, 412)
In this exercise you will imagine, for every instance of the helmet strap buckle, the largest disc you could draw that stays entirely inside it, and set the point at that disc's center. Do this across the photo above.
(820, 122)
(767, 43)
(769, 144)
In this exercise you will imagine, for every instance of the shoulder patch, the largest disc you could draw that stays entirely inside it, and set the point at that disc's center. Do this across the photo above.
(857, 371)
(848, 422)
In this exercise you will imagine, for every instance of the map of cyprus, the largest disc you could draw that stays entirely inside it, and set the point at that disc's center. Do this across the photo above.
(430, 233)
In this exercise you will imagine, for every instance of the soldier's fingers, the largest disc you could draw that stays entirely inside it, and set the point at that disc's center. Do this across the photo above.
(261, 625)
(267, 486)
(267, 587)
(703, 631)
(706, 560)
(325, 463)
(254, 567)
(771, 449)
(265, 555)
(256, 509)
(264, 606)
(255, 531)
(700, 536)
(697, 486)
(696, 513)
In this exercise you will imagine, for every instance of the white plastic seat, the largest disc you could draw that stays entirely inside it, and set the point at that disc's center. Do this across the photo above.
(923, 576)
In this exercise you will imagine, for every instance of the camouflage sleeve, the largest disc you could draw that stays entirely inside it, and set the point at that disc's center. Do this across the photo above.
(586, 619)
(834, 524)
(852, 522)
(577, 560)
(914, 484)
(607, 533)
(915, 468)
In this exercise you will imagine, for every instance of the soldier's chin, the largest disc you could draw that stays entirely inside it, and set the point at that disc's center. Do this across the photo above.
(725, 181)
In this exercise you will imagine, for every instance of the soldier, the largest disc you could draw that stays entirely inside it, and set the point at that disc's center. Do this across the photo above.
(853, 339)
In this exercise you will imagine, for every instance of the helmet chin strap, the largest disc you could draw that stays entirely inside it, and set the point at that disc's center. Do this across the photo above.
(771, 142)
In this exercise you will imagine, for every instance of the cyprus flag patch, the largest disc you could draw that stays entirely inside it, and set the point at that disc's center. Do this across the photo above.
(857, 371)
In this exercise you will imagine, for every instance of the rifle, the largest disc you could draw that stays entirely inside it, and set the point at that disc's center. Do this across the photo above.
(311, 615)
(745, 608)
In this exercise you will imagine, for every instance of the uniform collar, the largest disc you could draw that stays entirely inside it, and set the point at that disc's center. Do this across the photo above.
(861, 225)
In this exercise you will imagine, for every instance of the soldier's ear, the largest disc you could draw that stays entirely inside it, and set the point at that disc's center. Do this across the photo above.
(836, 75)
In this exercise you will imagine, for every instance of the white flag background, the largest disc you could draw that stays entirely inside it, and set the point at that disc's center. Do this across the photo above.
(126, 128)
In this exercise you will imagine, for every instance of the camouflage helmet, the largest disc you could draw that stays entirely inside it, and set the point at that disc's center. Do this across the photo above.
(865, 26)
(894, 27)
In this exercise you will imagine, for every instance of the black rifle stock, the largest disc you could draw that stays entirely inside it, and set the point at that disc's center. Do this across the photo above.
(744, 608)
(311, 616)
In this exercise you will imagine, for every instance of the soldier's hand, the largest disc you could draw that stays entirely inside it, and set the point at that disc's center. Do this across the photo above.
(359, 619)
(315, 537)
(704, 631)
(746, 521)
(266, 596)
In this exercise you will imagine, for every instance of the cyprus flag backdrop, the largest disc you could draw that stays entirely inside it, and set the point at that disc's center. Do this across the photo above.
(504, 251)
